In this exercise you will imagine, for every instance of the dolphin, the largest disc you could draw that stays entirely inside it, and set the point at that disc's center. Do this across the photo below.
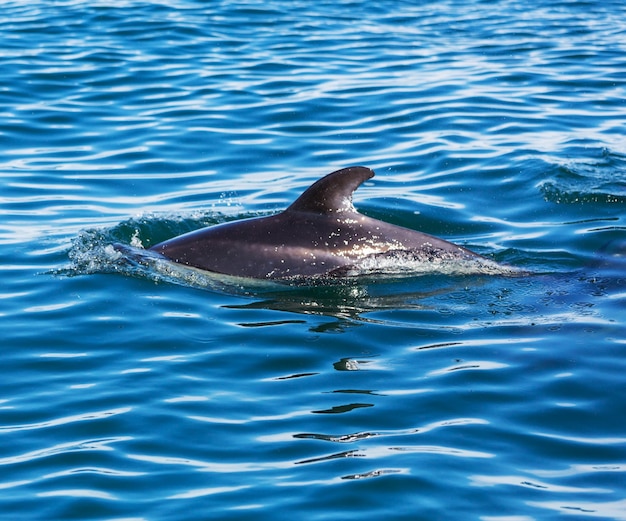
(320, 234)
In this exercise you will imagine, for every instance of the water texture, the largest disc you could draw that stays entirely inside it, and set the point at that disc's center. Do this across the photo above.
(154, 393)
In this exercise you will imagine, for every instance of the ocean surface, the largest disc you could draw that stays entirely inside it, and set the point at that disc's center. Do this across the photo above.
(132, 392)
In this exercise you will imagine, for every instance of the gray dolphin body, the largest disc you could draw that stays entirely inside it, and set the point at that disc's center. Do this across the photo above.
(320, 234)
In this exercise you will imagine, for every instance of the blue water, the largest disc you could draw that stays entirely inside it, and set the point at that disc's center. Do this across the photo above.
(135, 393)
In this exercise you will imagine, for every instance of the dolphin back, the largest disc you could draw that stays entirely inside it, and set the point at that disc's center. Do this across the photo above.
(320, 234)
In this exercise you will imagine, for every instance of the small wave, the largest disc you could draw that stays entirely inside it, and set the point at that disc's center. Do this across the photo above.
(601, 180)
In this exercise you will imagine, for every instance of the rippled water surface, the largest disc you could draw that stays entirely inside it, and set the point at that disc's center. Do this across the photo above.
(134, 392)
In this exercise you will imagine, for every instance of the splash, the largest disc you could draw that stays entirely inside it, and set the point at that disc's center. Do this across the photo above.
(401, 263)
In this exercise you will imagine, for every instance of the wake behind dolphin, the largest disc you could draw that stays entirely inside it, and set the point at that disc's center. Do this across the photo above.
(321, 235)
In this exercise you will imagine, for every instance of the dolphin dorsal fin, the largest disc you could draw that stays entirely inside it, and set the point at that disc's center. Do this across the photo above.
(332, 193)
